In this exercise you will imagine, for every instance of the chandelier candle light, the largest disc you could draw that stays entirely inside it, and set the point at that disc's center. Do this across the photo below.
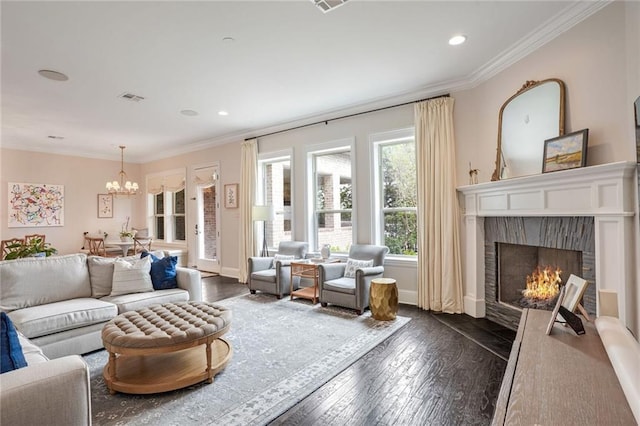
(124, 186)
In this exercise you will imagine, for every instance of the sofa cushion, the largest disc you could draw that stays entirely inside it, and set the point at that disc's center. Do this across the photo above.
(131, 277)
(101, 273)
(163, 271)
(11, 356)
(135, 301)
(353, 264)
(29, 282)
(60, 316)
(341, 285)
(32, 353)
(268, 275)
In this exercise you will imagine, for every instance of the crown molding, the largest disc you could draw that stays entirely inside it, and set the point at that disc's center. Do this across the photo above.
(573, 14)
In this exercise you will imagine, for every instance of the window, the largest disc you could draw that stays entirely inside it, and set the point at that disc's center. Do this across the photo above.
(158, 215)
(333, 194)
(275, 189)
(396, 194)
(167, 202)
(179, 225)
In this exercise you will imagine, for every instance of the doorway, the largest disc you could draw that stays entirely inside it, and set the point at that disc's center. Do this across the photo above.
(207, 229)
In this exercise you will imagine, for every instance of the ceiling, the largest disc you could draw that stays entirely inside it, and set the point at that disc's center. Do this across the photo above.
(287, 64)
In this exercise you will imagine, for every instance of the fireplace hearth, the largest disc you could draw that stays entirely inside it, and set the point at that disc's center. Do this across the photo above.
(516, 247)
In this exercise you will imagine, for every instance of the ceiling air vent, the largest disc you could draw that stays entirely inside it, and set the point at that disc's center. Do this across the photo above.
(327, 5)
(131, 97)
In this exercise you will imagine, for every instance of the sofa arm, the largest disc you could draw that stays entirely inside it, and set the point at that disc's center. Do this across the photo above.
(190, 280)
(55, 392)
(259, 264)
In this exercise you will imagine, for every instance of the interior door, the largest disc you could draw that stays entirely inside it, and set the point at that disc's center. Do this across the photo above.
(207, 228)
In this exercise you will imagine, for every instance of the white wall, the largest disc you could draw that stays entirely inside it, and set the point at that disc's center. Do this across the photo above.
(83, 180)
(595, 61)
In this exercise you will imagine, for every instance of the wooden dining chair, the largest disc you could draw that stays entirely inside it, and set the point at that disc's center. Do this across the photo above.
(96, 247)
(141, 244)
(6, 244)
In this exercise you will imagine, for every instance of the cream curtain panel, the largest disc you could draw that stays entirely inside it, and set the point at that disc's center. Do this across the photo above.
(246, 198)
(439, 266)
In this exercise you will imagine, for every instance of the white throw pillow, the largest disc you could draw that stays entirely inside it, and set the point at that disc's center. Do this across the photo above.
(353, 264)
(281, 257)
(131, 277)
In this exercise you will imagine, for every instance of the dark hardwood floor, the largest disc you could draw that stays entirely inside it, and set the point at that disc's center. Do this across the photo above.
(438, 369)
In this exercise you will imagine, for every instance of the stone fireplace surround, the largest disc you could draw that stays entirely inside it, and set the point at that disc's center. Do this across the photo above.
(604, 192)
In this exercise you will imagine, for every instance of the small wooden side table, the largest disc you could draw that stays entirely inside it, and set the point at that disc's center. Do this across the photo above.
(307, 269)
(383, 299)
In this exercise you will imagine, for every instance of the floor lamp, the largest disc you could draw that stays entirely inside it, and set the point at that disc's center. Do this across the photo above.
(263, 214)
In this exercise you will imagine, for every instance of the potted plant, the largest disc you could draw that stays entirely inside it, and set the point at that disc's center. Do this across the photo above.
(125, 233)
(36, 247)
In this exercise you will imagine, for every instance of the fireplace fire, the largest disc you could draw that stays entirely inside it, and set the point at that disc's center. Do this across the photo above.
(542, 288)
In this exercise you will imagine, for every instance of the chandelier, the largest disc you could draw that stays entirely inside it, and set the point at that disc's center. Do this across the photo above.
(124, 186)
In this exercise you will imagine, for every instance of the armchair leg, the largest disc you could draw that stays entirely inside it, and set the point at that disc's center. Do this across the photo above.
(323, 304)
(360, 311)
(252, 291)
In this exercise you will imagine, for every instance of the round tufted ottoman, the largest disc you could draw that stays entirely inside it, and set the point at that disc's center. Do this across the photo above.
(157, 349)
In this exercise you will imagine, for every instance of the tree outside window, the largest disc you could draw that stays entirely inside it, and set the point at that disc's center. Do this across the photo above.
(399, 197)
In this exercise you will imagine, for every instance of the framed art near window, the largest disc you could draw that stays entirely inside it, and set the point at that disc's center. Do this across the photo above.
(565, 152)
(105, 206)
(231, 196)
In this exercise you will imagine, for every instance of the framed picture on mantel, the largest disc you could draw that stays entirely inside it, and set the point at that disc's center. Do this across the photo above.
(565, 152)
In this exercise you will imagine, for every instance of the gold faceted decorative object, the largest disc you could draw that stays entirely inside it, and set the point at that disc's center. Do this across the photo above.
(383, 299)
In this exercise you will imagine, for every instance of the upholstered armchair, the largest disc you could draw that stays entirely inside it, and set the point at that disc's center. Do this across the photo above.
(273, 274)
(347, 284)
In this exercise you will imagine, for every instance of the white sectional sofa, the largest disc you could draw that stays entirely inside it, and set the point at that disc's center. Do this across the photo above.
(59, 304)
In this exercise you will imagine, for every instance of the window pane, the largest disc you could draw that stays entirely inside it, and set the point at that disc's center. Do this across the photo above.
(180, 228)
(159, 203)
(178, 198)
(399, 175)
(401, 232)
(160, 227)
(335, 229)
(276, 190)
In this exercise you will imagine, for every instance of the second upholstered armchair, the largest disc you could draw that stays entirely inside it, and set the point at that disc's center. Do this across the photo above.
(273, 274)
(347, 284)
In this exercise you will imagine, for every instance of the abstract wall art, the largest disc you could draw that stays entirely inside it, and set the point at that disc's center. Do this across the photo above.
(35, 205)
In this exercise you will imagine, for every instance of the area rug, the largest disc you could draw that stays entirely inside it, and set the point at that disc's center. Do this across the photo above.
(283, 351)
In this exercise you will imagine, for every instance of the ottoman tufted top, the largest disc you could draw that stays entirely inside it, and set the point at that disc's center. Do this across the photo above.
(166, 325)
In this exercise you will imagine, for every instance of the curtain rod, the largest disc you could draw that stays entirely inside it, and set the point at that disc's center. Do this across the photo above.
(446, 95)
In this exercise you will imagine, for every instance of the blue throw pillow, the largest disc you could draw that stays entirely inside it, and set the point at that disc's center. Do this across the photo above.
(163, 271)
(11, 354)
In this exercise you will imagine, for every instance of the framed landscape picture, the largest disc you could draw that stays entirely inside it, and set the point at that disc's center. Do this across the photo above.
(565, 152)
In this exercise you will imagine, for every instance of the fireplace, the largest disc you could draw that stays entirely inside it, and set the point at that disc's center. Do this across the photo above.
(516, 246)
(531, 276)
(512, 210)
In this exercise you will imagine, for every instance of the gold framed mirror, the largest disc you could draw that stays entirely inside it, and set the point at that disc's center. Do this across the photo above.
(528, 118)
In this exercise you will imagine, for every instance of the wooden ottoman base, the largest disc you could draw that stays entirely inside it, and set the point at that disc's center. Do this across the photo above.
(162, 372)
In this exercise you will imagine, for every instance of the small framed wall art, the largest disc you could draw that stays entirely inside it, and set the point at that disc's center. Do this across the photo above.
(231, 196)
(565, 152)
(105, 206)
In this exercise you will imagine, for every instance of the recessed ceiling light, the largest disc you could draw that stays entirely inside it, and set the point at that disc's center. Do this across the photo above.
(53, 75)
(456, 40)
(223, 113)
(189, 112)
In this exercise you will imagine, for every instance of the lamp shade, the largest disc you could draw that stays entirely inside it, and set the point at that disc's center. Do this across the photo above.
(263, 213)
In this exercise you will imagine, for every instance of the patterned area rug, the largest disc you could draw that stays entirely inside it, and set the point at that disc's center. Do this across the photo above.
(283, 351)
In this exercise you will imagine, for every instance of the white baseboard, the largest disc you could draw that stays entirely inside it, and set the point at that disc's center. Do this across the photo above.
(474, 307)
(230, 272)
(408, 297)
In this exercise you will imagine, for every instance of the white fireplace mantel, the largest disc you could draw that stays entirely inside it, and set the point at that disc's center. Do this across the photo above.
(606, 192)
